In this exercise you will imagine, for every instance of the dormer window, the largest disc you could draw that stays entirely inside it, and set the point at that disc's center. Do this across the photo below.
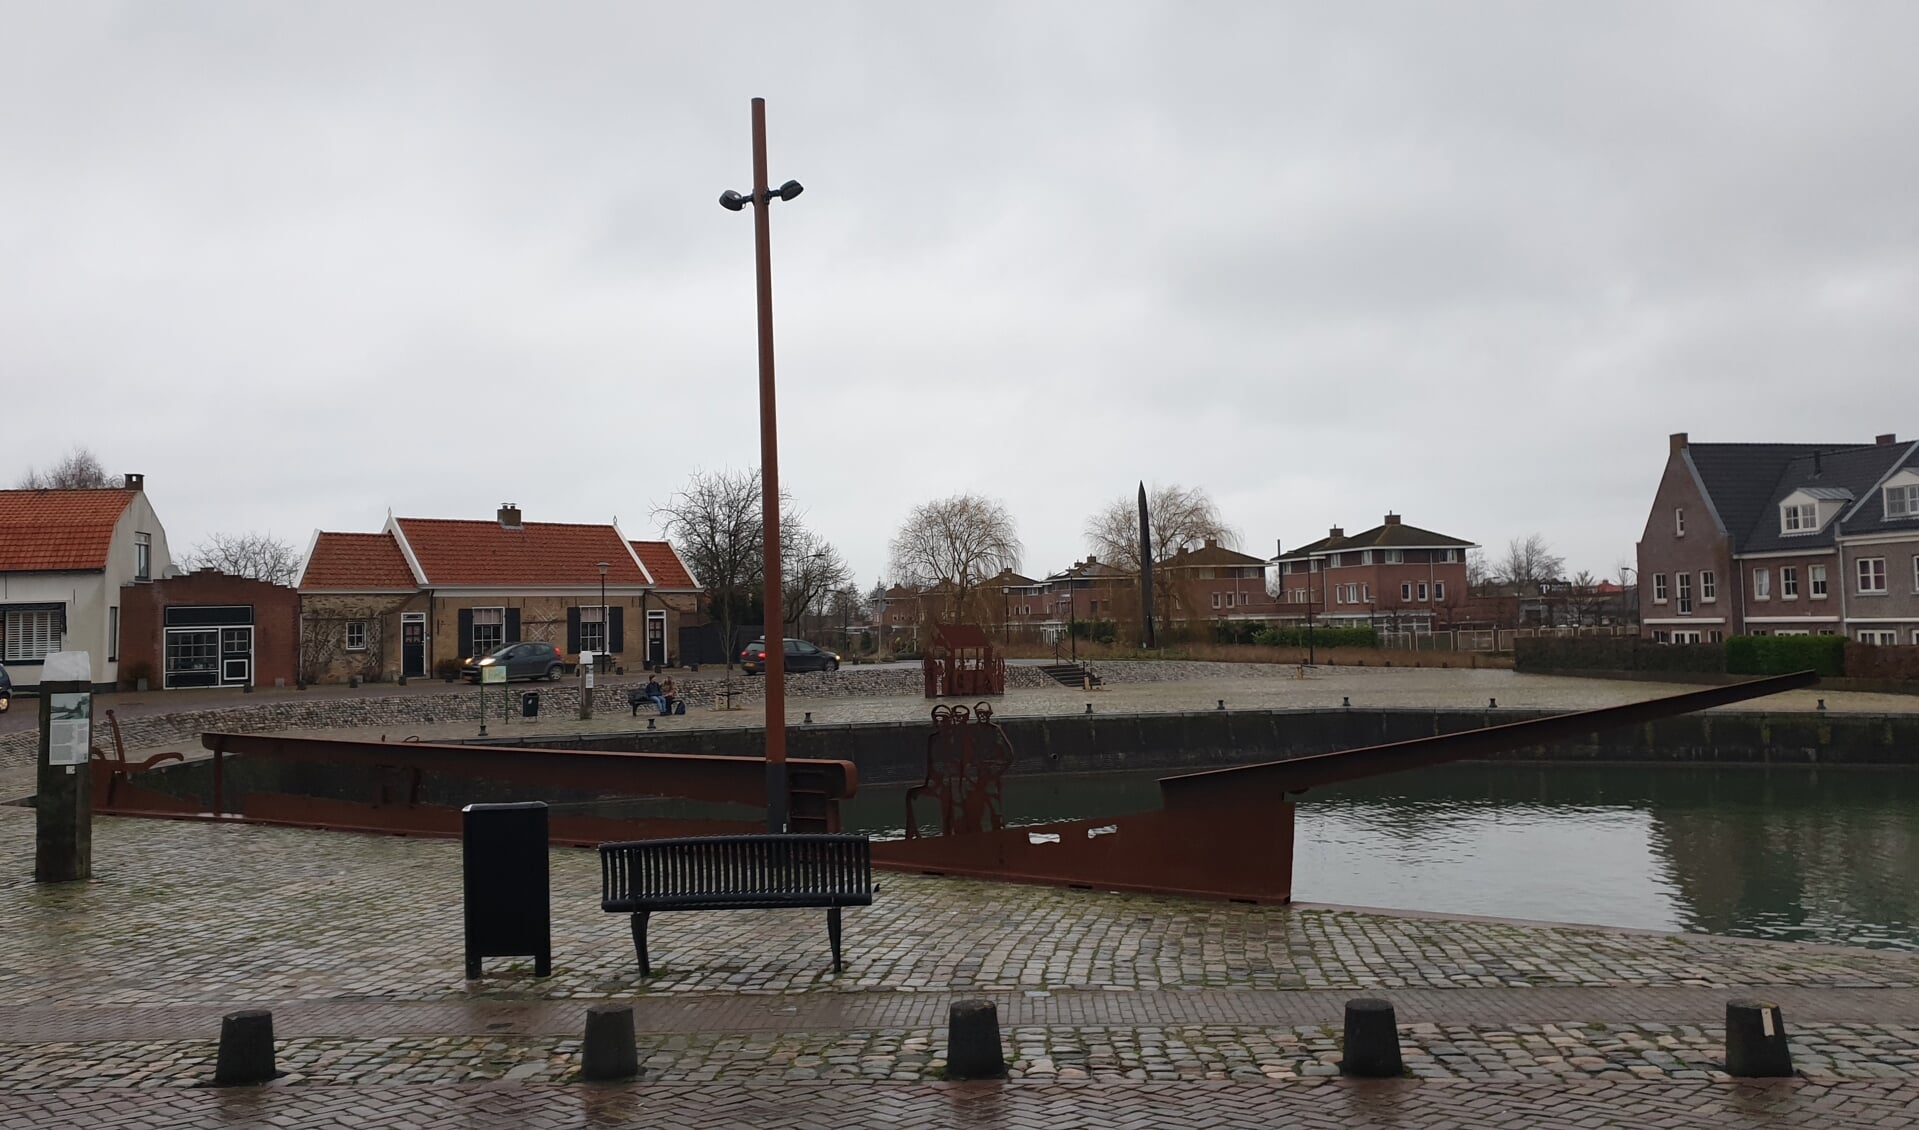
(1902, 501)
(1802, 519)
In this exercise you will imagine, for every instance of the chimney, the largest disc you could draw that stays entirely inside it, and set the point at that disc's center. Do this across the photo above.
(1279, 548)
(139, 482)
(510, 516)
(1817, 465)
(1212, 543)
(1392, 519)
(1335, 532)
(1678, 441)
(1886, 440)
(1092, 559)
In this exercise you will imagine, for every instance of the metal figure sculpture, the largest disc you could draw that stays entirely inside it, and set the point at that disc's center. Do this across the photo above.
(967, 756)
(962, 661)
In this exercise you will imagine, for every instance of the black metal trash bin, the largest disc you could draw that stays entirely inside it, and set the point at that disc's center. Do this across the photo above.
(508, 908)
(529, 704)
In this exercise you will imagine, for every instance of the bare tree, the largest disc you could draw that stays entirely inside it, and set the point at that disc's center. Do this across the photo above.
(811, 569)
(1477, 572)
(262, 557)
(1181, 518)
(80, 469)
(1528, 560)
(714, 521)
(955, 543)
(1584, 600)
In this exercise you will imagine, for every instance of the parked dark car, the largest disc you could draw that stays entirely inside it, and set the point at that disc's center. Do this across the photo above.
(800, 656)
(521, 660)
(6, 690)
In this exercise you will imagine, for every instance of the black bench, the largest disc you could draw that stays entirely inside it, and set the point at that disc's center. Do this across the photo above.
(763, 872)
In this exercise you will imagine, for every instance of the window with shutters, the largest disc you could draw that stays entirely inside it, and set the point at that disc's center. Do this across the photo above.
(489, 629)
(592, 628)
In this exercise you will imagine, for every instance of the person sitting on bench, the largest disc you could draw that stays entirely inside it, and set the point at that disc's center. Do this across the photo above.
(654, 694)
(669, 697)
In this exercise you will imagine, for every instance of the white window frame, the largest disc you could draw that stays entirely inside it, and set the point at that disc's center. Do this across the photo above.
(1870, 573)
(1708, 587)
(595, 615)
(1879, 637)
(1762, 584)
(1215, 600)
(1425, 594)
(1679, 521)
(31, 636)
(1439, 591)
(1406, 590)
(498, 643)
(1659, 588)
(1450, 556)
(1902, 501)
(1395, 557)
(142, 557)
(1684, 594)
(1816, 581)
(1799, 518)
(353, 628)
(1789, 582)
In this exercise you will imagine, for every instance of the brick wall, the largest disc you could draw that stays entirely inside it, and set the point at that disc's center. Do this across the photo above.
(276, 624)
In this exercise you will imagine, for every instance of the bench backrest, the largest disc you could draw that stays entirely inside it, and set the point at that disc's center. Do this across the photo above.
(725, 867)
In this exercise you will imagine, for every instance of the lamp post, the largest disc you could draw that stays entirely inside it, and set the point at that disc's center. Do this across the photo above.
(606, 626)
(761, 200)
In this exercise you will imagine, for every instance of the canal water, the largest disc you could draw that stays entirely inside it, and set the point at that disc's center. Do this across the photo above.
(1826, 855)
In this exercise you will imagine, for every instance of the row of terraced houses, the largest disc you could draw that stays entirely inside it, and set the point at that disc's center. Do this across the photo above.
(91, 570)
(1783, 539)
(1394, 576)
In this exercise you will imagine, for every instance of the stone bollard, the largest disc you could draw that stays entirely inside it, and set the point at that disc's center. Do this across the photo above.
(1372, 1040)
(246, 1049)
(972, 1041)
(609, 1052)
(1756, 1041)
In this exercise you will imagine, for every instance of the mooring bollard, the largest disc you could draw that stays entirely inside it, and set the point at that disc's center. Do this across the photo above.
(1492, 704)
(809, 718)
(1372, 1040)
(650, 725)
(1345, 700)
(1089, 708)
(972, 1041)
(609, 1051)
(246, 1049)
(1756, 1041)
(1222, 704)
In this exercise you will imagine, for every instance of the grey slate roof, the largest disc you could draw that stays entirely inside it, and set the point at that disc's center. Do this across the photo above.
(1739, 478)
(1846, 473)
(1868, 515)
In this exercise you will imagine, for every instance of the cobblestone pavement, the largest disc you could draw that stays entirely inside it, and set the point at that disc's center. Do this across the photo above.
(1309, 1105)
(1118, 1010)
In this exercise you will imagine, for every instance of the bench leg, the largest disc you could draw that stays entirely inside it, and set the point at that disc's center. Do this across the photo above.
(833, 935)
(639, 943)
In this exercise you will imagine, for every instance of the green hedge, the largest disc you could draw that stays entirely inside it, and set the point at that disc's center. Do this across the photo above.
(1782, 655)
(1319, 637)
(1615, 653)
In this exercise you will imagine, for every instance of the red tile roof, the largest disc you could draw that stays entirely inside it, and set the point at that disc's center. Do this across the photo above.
(669, 572)
(357, 563)
(479, 553)
(58, 530)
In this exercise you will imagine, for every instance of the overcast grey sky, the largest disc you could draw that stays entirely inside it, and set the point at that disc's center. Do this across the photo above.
(300, 264)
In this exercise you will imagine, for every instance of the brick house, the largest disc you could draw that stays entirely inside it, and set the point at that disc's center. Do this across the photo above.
(1394, 576)
(1212, 583)
(1783, 539)
(426, 592)
(207, 629)
(1089, 590)
(65, 559)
